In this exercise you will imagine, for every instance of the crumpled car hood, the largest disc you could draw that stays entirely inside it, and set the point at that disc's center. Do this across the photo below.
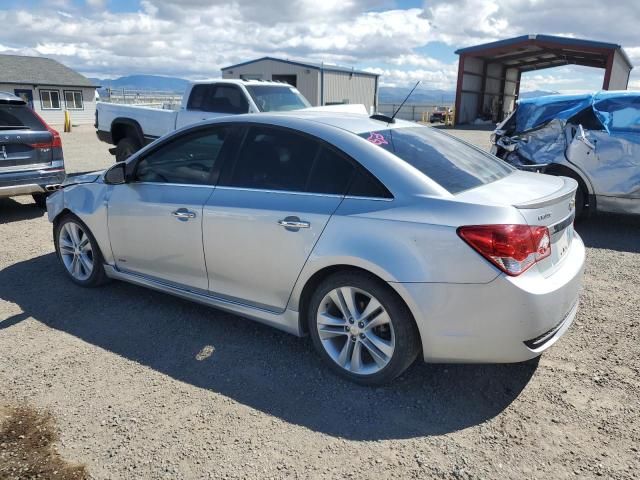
(82, 178)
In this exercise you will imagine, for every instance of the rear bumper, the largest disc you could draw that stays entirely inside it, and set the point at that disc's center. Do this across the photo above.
(27, 182)
(510, 319)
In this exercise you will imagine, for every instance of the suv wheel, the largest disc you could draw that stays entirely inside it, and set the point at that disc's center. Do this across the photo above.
(40, 199)
(78, 252)
(362, 329)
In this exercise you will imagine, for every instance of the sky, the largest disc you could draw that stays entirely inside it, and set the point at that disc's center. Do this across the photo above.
(403, 40)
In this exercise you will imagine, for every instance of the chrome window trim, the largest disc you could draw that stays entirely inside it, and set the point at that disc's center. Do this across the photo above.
(287, 192)
(199, 185)
(263, 190)
(379, 199)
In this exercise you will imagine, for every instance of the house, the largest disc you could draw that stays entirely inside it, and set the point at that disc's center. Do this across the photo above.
(321, 84)
(49, 87)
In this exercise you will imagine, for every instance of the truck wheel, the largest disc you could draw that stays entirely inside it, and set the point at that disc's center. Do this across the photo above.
(126, 147)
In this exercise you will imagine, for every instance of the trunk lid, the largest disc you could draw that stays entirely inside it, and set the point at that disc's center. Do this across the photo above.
(25, 140)
(541, 200)
(21, 149)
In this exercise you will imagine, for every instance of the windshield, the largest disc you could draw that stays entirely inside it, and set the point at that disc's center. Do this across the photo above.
(451, 163)
(277, 99)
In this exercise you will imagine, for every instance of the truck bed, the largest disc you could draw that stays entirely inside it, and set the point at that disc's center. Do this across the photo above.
(154, 121)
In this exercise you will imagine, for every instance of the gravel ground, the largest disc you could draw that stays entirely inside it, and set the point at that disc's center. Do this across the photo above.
(144, 385)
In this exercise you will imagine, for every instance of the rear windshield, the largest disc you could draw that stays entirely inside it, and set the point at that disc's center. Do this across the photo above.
(451, 163)
(277, 99)
(19, 117)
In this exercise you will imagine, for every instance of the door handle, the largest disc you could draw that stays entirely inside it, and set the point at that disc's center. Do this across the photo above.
(293, 223)
(183, 214)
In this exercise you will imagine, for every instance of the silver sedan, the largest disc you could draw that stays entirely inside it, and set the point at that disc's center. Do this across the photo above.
(383, 240)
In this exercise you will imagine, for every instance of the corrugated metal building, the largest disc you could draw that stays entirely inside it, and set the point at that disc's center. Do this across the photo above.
(49, 88)
(320, 84)
(489, 74)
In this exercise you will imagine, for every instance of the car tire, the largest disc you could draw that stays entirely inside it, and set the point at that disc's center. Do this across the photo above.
(332, 333)
(40, 199)
(78, 250)
(126, 147)
(580, 203)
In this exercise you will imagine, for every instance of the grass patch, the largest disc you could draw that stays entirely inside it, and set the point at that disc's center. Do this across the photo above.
(27, 449)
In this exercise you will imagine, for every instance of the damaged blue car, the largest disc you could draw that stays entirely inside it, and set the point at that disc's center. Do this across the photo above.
(593, 138)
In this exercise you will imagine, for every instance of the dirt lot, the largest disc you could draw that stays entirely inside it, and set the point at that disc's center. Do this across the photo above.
(143, 385)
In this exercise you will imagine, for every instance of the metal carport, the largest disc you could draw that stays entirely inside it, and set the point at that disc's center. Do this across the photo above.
(489, 74)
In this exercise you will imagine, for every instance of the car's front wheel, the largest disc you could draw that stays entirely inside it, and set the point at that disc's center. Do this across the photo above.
(78, 252)
(362, 329)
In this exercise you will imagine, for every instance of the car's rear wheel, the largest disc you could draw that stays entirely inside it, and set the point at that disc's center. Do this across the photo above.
(362, 329)
(126, 147)
(78, 252)
(40, 199)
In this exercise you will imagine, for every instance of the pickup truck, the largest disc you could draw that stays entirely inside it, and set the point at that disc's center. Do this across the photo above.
(131, 127)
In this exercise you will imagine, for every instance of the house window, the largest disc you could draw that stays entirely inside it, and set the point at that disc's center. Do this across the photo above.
(50, 99)
(73, 99)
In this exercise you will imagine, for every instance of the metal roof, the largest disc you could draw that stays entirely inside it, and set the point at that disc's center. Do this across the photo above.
(534, 52)
(314, 66)
(25, 70)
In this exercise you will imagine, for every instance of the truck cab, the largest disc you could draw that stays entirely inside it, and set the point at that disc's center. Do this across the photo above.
(130, 127)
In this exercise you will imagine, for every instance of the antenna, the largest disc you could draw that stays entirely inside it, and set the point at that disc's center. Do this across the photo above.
(404, 101)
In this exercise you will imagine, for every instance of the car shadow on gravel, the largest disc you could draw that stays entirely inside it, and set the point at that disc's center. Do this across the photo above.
(257, 366)
(12, 211)
(613, 232)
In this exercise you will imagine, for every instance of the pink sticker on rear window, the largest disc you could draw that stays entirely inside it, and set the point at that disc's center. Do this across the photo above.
(377, 139)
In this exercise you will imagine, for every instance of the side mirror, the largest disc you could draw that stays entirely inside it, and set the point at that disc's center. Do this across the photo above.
(116, 175)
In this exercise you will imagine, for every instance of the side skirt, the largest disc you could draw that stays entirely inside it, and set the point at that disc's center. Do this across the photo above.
(286, 321)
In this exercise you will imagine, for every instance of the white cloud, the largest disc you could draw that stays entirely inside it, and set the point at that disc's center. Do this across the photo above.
(197, 37)
(194, 38)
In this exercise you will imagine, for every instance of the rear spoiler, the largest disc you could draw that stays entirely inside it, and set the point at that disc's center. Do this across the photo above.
(567, 190)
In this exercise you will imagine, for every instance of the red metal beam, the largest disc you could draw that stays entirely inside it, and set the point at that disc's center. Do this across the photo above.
(607, 72)
(456, 118)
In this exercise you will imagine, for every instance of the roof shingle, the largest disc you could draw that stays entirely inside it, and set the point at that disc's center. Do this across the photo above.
(39, 71)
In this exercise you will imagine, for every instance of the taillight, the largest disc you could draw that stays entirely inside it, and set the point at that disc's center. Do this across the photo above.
(56, 141)
(511, 248)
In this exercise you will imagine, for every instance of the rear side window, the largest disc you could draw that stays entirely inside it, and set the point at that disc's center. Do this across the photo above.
(19, 117)
(451, 163)
(274, 159)
(218, 98)
(331, 173)
(365, 185)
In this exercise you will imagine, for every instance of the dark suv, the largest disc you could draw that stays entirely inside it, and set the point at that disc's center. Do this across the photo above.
(31, 161)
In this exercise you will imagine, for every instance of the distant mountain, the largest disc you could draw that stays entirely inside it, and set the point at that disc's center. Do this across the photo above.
(536, 93)
(385, 94)
(435, 97)
(420, 95)
(144, 82)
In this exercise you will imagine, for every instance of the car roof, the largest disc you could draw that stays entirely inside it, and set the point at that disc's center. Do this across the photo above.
(239, 81)
(351, 122)
(6, 97)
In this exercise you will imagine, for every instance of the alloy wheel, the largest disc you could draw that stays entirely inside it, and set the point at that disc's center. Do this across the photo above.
(355, 330)
(75, 251)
